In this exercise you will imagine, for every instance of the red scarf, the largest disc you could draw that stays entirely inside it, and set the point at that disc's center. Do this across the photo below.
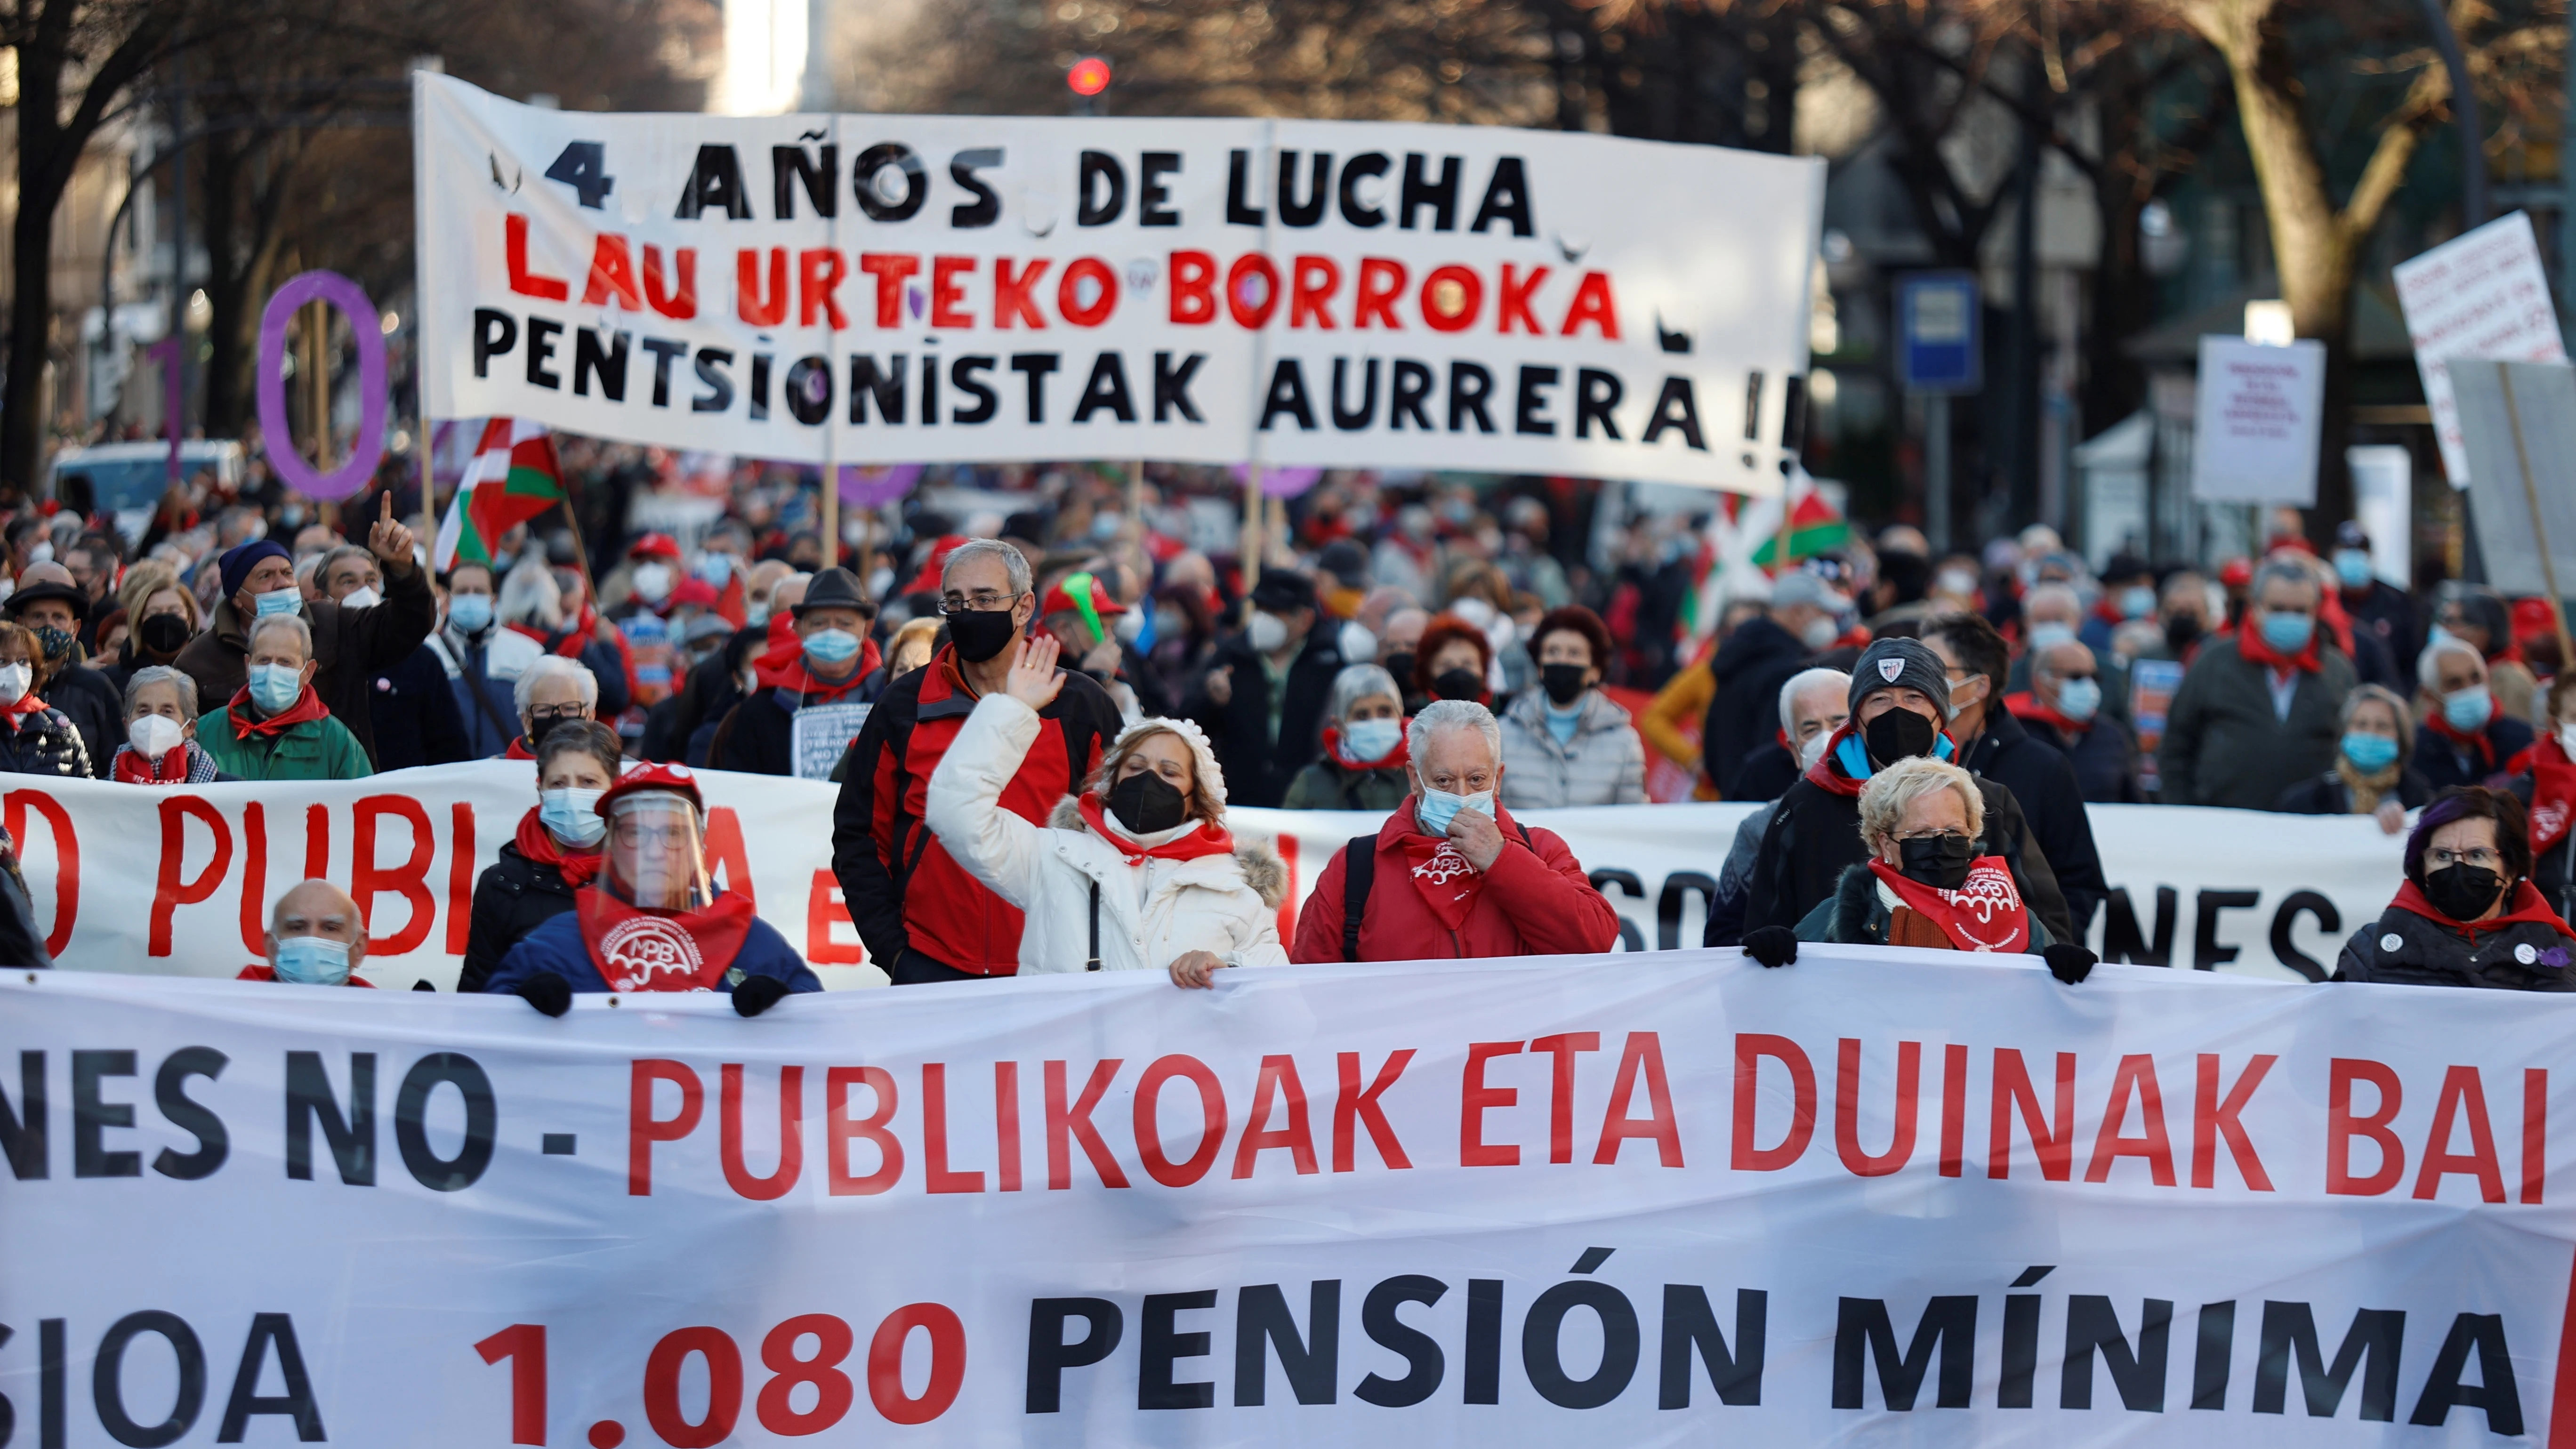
(1984, 914)
(518, 749)
(132, 767)
(1394, 759)
(17, 710)
(307, 706)
(1209, 839)
(783, 667)
(1448, 881)
(2026, 706)
(2553, 793)
(640, 950)
(2469, 744)
(1827, 772)
(2250, 644)
(2530, 907)
(539, 845)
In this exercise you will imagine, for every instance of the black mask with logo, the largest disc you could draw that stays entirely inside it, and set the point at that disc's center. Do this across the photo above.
(1146, 802)
(1458, 683)
(1564, 683)
(1898, 734)
(979, 634)
(2462, 892)
(1939, 861)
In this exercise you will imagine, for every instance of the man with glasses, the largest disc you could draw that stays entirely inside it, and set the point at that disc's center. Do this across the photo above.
(922, 917)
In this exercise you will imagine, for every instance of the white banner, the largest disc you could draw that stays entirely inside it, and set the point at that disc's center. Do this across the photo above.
(1876, 1197)
(179, 881)
(892, 289)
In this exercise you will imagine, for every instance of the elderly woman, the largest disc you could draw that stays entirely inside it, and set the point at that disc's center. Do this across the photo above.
(1565, 743)
(35, 737)
(2372, 774)
(555, 853)
(161, 732)
(2469, 737)
(552, 691)
(2467, 914)
(1138, 874)
(1924, 884)
(1362, 767)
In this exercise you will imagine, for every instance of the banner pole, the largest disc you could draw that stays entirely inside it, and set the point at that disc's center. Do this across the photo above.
(2539, 532)
(422, 439)
(580, 553)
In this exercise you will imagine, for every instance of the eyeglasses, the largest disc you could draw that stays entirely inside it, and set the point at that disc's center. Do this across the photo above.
(1931, 835)
(982, 601)
(557, 713)
(2476, 855)
(636, 832)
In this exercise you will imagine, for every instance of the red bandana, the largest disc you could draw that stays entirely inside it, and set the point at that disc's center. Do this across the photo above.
(1827, 772)
(538, 844)
(2553, 794)
(2250, 645)
(307, 706)
(2026, 706)
(1447, 879)
(783, 667)
(639, 950)
(2475, 743)
(1208, 839)
(2529, 907)
(1984, 914)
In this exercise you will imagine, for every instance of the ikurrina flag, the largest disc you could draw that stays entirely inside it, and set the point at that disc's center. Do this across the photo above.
(513, 478)
(1815, 526)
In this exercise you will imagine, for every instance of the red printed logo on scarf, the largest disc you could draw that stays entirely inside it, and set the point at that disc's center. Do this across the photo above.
(2548, 820)
(641, 950)
(1984, 914)
(1447, 880)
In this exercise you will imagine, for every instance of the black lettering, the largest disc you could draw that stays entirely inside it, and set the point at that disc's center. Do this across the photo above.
(1506, 199)
(495, 332)
(711, 364)
(2209, 1361)
(170, 1094)
(1288, 395)
(1239, 210)
(2121, 938)
(2206, 953)
(1949, 1325)
(1469, 385)
(1352, 420)
(1311, 1360)
(2495, 1391)
(1106, 389)
(2285, 949)
(583, 166)
(92, 1116)
(1160, 1346)
(1411, 388)
(759, 408)
(1101, 190)
(819, 174)
(1424, 1363)
(275, 1331)
(2377, 1333)
(1034, 366)
(1630, 938)
(1619, 1343)
(1482, 1372)
(1677, 407)
(715, 180)
(986, 208)
(1441, 195)
(53, 1393)
(1153, 193)
(1171, 387)
(1678, 888)
(482, 1119)
(352, 1138)
(1689, 1324)
(107, 1379)
(872, 164)
(1293, 212)
(1529, 411)
(2091, 1324)
(608, 364)
(663, 350)
(541, 350)
(1596, 393)
(929, 390)
(1050, 1355)
(886, 387)
(809, 391)
(1365, 164)
(23, 1129)
(2021, 1350)
(1753, 405)
(963, 375)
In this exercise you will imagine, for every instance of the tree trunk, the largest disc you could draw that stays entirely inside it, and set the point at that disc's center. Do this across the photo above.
(227, 288)
(31, 317)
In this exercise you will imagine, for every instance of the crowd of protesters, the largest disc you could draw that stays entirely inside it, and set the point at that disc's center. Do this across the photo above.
(1062, 700)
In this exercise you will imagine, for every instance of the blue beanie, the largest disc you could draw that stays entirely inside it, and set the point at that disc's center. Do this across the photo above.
(237, 564)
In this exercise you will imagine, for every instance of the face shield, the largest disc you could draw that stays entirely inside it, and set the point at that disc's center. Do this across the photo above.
(657, 853)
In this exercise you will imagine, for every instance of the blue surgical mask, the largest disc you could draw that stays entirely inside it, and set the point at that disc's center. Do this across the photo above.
(287, 600)
(1439, 807)
(714, 568)
(572, 815)
(471, 613)
(2288, 633)
(274, 687)
(832, 646)
(2370, 754)
(2049, 636)
(2352, 565)
(1364, 740)
(312, 961)
(2137, 602)
(2468, 709)
(756, 615)
(2079, 699)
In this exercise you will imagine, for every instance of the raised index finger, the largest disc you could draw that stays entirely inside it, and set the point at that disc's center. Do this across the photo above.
(385, 506)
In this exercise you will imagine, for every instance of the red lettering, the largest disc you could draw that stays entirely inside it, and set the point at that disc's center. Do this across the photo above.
(726, 859)
(460, 876)
(819, 272)
(947, 294)
(833, 1391)
(1900, 1147)
(643, 1129)
(1193, 288)
(1149, 1135)
(524, 280)
(824, 909)
(1250, 270)
(1013, 296)
(791, 1133)
(1381, 282)
(1104, 292)
(1006, 1126)
(934, 1136)
(1560, 1099)
(2213, 1118)
(2342, 1126)
(1353, 1107)
(1954, 1109)
(1642, 1057)
(1512, 300)
(2136, 1076)
(891, 269)
(838, 1129)
(410, 880)
(947, 1363)
(2054, 1148)
(1314, 281)
(1592, 303)
(169, 891)
(254, 887)
(679, 305)
(58, 824)
(1475, 1099)
(2463, 1095)
(758, 307)
(612, 274)
(1451, 298)
(1278, 1082)
(1075, 1123)
(2535, 1132)
(1750, 1048)
(317, 842)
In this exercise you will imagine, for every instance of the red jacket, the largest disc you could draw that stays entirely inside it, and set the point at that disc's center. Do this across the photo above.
(1536, 902)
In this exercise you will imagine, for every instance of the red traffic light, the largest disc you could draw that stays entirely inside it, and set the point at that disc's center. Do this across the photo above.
(1089, 76)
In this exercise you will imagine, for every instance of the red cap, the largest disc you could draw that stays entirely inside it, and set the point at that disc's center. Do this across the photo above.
(2533, 619)
(2238, 573)
(670, 779)
(1057, 601)
(928, 580)
(655, 545)
(692, 591)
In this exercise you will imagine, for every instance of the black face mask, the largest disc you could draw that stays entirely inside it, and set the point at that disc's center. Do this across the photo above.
(2462, 892)
(1939, 861)
(1401, 666)
(1146, 802)
(1564, 683)
(979, 634)
(1897, 735)
(164, 634)
(1457, 684)
(2180, 632)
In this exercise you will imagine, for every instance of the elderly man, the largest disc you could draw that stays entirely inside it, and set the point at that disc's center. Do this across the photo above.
(483, 660)
(2468, 738)
(1993, 744)
(1751, 666)
(56, 609)
(1263, 697)
(825, 662)
(350, 646)
(553, 691)
(315, 938)
(2064, 708)
(1900, 697)
(411, 706)
(922, 917)
(2259, 709)
(276, 726)
(1461, 877)
(1812, 706)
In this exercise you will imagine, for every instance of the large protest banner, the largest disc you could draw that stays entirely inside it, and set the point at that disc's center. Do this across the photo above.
(188, 874)
(890, 289)
(1875, 1197)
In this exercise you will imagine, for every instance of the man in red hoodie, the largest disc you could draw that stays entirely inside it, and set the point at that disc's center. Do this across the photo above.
(1451, 874)
(822, 663)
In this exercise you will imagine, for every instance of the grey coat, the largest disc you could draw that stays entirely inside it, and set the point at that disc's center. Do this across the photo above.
(1605, 764)
(2223, 745)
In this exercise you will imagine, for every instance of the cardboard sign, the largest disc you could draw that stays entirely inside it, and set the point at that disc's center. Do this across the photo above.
(2535, 432)
(819, 734)
(2481, 295)
(2256, 434)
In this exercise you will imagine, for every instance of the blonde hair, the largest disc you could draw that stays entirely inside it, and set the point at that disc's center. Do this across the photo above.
(1207, 781)
(1890, 792)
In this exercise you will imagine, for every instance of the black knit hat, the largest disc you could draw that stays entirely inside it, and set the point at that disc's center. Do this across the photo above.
(1900, 664)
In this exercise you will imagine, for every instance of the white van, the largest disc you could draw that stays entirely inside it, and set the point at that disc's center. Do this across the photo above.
(128, 479)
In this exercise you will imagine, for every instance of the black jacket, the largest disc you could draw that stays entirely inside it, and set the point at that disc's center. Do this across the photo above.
(2442, 763)
(95, 704)
(511, 898)
(2402, 948)
(758, 736)
(1766, 774)
(1744, 714)
(2327, 794)
(1815, 834)
(2385, 613)
(414, 710)
(22, 944)
(2104, 757)
(1258, 768)
(43, 742)
(2042, 781)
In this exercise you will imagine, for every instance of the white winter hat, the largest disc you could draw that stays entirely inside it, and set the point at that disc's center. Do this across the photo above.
(1203, 756)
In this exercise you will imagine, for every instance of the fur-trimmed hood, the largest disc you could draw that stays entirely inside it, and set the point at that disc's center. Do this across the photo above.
(1259, 861)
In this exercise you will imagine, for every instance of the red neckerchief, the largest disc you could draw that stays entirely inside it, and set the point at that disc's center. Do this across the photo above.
(2553, 793)
(2477, 743)
(1209, 839)
(2026, 706)
(641, 950)
(1984, 914)
(539, 845)
(2250, 644)
(573, 640)
(518, 749)
(132, 768)
(1446, 878)
(21, 707)
(2530, 908)
(783, 667)
(1827, 772)
(1394, 759)
(2108, 612)
(2331, 615)
(307, 706)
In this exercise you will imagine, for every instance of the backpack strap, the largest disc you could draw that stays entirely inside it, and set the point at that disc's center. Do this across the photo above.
(1094, 963)
(1359, 864)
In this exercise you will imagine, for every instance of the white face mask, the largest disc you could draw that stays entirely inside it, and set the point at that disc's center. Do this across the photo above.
(153, 735)
(1814, 749)
(2567, 739)
(14, 682)
(1819, 632)
(1269, 635)
(362, 597)
(653, 582)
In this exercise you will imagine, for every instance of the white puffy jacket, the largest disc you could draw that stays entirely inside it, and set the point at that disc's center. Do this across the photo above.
(1149, 914)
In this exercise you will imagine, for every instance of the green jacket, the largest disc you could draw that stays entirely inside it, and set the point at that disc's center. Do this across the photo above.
(1327, 784)
(317, 749)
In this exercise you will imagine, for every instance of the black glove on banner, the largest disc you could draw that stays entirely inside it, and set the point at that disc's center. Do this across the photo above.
(1146, 802)
(1457, 684)
(2069, 963)
(979, 634)
(547, 992)
(756, 994)
(1563, 683)
(1897, 735)
(1771, 945)
(2462, 892)
(1939, 861)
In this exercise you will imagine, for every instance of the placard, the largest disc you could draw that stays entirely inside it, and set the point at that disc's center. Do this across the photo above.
(2482, 295)
(819, 734)
(2255, 435)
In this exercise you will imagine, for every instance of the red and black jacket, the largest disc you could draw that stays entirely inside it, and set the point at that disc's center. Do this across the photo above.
(902, 888)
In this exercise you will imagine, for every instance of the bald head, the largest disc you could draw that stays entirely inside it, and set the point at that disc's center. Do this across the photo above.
(317, 908)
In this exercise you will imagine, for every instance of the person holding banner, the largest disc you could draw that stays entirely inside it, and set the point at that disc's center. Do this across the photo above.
(276, 727)
(2547, 788)
(1994, 745)
(1451, 874)
(54, 610)
(2468, 739)
(2467, 913)
(161, 733)
(1363, 764)
(824, 662)
(315, 938)
(555, 853)
(653, 919)
(1139, 873)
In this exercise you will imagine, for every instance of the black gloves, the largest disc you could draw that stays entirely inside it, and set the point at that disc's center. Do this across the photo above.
(547, 992)
(423, 985)
(2068, 962)
(757, 994)
(1771, 945)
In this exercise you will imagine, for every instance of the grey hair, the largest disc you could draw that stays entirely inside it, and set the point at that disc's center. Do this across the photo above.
(1359, 682)
(1884, 799)
(2381, 694)
(2039, 657)
(555, 666)
(2428, 665)
(1799, 684)
(346, 550)
(1013, 563)
(2062, 592)
(2287, 571)
(303, 631)
(1452, 714)
(152, 674)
